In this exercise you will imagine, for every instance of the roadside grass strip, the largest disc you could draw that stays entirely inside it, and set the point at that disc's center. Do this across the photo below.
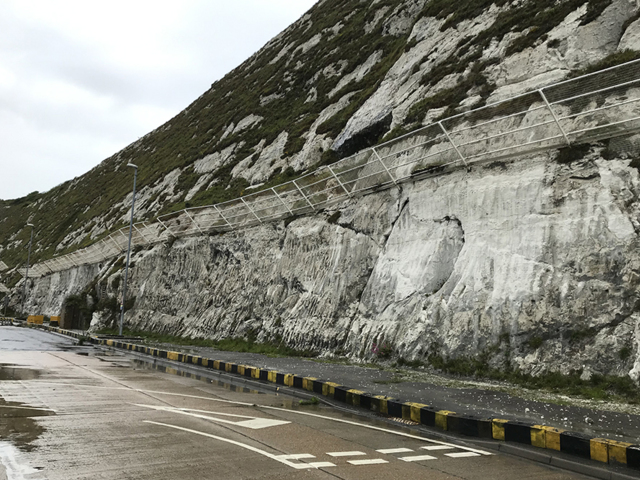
(594, 448)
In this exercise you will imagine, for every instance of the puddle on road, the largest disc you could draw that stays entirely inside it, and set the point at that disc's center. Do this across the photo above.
(18, 423)
(105, 353)
(14, 372)
(173, 371)
(19, 429)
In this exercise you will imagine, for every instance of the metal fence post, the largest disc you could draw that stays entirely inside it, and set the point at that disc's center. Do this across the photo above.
(106, 247)
(304, 196)
(118, 248)
(141, 234)
(193, 221)
(56, 263)
(375, 152)
(338, 180)
(251, 210)
(453, 144)
(222, 215)
(544, 98)
(165, 226)
(281, 200)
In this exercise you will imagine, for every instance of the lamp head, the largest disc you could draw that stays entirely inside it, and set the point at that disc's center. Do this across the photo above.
(29, 225)
(132, 165)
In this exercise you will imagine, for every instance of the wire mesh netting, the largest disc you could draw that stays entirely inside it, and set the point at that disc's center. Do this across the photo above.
(604, 104)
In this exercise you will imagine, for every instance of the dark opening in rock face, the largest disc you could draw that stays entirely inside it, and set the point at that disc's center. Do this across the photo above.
(368, 137)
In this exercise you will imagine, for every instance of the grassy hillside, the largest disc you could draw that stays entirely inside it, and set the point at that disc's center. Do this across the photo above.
(289, 84)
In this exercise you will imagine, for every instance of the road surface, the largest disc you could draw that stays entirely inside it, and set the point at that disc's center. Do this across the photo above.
(70, 412)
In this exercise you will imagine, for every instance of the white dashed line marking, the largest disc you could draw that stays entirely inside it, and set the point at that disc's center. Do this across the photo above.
(345, 454)
(418, 458)
(394, 450)
(437, 447)
(295, 456)
(322, 464)
(374, 461)
(462, 454)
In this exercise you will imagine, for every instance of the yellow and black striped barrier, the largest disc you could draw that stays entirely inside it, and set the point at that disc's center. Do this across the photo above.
(541, 436)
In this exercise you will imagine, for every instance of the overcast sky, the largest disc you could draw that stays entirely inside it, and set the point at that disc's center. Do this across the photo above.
(81, 79)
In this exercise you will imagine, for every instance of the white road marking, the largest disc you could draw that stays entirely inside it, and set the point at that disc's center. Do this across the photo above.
(322, 464)
(296, 456)
(374, 461)
(297, 466)
(462, 454)
(348, 422)
(396, 450)
(254, 423)
(345, 454)
(437, 447)
(419, 458)
(29, 408)
(379, 429)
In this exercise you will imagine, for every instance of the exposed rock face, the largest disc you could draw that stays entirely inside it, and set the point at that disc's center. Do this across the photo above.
(532, 263)
(47, 294)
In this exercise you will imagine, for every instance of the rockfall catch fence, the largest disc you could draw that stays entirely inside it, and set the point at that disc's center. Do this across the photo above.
(588, 108)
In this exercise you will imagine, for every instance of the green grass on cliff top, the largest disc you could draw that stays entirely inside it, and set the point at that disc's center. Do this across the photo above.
(77, 205)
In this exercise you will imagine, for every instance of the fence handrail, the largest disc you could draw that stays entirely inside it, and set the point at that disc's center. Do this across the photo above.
(376, 167)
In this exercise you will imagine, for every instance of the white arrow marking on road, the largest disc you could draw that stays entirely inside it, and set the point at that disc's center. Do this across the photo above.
(254, 423)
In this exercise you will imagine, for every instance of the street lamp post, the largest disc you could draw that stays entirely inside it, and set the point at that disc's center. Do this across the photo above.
(26, 275)
(126, 268)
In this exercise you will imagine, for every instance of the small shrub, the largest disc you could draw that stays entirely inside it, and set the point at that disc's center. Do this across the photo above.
(555, 43)
(402, 362)
(625, 353)
(108, 304)
(576, 336)
(311, 401)
(535, 342)
(383, 350)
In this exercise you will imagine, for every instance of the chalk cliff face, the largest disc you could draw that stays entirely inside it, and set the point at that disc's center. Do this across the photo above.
(531, 263)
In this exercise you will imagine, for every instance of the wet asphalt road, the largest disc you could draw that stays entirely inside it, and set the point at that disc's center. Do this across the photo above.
(25, 339)
(70, 412)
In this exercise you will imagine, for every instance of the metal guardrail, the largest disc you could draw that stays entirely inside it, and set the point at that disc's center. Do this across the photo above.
(592, 107)
(110, 246)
